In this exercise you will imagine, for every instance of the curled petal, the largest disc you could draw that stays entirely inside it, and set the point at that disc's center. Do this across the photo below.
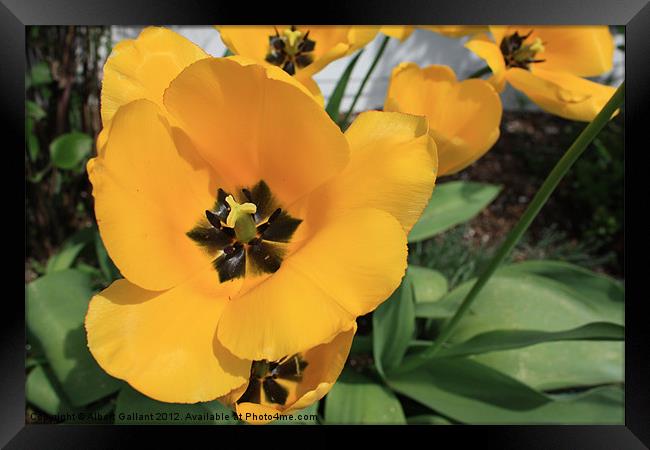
(561, 93)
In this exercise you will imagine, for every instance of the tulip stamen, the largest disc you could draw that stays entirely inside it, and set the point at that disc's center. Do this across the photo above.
(290, 49)
(264, 374)
(517, 53)
(247, 233)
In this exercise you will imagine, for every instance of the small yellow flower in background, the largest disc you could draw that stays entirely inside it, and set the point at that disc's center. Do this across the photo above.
(548, 63)
(464, 116)
(403, 32)
(300, 50)
(250, 230)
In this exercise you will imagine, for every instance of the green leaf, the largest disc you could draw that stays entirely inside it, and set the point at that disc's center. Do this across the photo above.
(469, 393)
(603, 293)
(429, 285)
(427, 419)
(393, 327)
(35, 111)
(356, 399)
(70, 250)
(109, 269)
(452, 203)
(56, 305)
(42, 391)
(134, 408)
(68, 150)
(549, 297)
(334, 103)
(497, 340)
(40, 74)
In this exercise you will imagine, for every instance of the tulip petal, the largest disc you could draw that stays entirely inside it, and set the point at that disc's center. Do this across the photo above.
(392, 167)
(149, 191)
(562, 94)
(345, 270)
(163, 343)
(144, 67)
(249, 124)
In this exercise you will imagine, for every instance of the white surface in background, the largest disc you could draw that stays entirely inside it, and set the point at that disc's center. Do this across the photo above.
(422, 47)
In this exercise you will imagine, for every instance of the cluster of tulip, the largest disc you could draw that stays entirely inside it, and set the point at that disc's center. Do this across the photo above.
(250, 230)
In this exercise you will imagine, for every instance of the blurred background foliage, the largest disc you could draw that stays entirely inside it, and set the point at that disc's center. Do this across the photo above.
(543, 344)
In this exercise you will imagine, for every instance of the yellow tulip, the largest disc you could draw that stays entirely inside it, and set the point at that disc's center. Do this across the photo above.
(548, 63)
(464, 116)
(300, 50)
(248, 227)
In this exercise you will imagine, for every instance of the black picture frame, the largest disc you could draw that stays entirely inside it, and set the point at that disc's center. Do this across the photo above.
(15, 15)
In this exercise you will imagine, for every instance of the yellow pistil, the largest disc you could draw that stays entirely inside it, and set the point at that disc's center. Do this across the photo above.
(241, 219)
(537, 45)
(293, 38)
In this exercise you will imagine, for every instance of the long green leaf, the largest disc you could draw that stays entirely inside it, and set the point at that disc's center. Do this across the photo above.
(393, 326)
(356, 399)
(472, 396)
(499, 340)
(551, 298)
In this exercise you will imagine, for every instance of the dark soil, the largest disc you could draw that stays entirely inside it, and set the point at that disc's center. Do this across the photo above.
(530, 145)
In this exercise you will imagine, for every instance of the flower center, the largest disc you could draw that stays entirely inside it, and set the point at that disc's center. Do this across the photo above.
(241, 219)
(265, 375)
(248, 235)
(517, 53)
(290, 49)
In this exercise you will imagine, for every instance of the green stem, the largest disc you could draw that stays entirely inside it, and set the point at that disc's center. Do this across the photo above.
(227, 53)
(561, 168)
(366, 78)
(480, 72)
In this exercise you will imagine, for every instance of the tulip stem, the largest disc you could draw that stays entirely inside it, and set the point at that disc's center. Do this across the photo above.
(366, 78)
(561, 168)
(480, 72)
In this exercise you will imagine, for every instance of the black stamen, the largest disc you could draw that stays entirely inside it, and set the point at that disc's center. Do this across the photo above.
(275, 393)
(221, 207)
(232, 263)
(213, 219)
(253, 392)
(211, 238)
(264, 256)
